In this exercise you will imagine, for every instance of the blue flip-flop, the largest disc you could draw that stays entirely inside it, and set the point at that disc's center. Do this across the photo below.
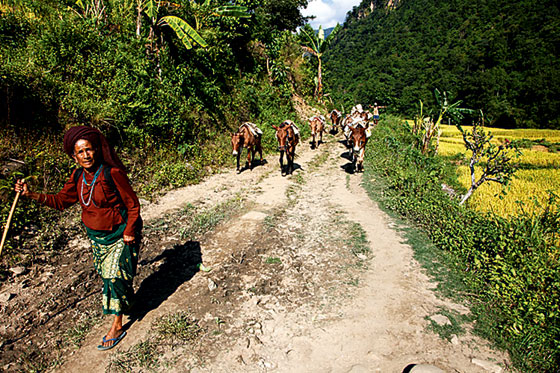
(114, 340)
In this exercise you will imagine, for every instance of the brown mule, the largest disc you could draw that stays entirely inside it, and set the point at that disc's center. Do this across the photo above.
(357, 142)
(317, 125)
(247, 137)
(287, 135)
(336, 119)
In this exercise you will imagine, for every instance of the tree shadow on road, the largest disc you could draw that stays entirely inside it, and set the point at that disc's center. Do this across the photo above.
(180, 264)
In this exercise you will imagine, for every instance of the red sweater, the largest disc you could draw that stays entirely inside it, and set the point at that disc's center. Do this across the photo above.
(103, 212)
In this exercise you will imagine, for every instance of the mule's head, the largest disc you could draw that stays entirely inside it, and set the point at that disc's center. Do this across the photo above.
(284, 135)
(357, 138)
(236, 142)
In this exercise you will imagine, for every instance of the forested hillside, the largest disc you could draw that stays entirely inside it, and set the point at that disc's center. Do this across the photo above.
(119, 65)
(500, 56)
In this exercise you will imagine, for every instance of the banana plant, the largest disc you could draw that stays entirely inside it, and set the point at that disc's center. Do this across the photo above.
(203, 11)
(444, 110)
(185, 32)
(451, 111)
(316, 45)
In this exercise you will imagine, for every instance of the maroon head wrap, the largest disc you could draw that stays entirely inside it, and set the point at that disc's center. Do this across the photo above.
(105, 152)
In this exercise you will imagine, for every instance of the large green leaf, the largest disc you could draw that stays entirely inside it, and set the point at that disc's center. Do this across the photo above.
(333, 33)
(312, 41)
(237, 11)
(184, 31)
(151, 8)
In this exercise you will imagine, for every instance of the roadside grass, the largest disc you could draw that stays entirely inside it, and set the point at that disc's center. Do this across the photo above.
(76, 334)
(169, 331)
(271, 220)
(273, 260)
(141, 357)
(179, 328)
(298, 178)
(204, 221)
(292, 191)
(38, 361)
(358, 242)
(353, 242)
(447, 331)
(318, 160)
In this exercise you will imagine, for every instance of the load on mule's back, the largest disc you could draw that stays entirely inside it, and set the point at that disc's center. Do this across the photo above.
(357, 117)
(287, 134)
(248, 136)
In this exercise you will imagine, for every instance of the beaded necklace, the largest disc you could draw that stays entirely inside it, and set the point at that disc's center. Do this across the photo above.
(92, 186)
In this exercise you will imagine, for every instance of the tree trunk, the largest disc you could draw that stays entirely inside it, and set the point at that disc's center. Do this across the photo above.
(319, 89)
(138, 19)
(466, 196)
(474, 184)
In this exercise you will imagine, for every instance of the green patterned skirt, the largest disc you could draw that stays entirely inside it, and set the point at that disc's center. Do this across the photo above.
(116, 264)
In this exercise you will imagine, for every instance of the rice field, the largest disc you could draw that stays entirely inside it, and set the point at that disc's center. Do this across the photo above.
(538, 173)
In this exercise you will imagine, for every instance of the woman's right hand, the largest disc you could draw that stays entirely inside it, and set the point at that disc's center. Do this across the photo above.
(21, 187)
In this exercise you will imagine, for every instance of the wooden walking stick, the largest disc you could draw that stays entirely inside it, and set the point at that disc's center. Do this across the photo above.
(8, 222)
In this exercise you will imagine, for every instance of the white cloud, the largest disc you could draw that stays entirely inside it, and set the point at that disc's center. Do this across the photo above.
(328, 12)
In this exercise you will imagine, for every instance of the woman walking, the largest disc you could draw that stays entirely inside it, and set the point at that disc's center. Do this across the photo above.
(110, 214)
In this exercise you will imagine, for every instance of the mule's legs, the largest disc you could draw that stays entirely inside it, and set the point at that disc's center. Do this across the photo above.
(253, 152)
(282, 162)
(260, 153)
(258, 148)
(290, 157)
(249, 163)
(361, 156)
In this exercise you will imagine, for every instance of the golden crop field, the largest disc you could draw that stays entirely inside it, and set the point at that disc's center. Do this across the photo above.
(539, 170)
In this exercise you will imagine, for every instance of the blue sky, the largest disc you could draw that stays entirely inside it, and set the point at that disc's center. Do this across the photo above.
(328, 12)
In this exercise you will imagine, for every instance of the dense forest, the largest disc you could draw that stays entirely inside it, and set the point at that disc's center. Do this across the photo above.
(117, 65)
(497, 55)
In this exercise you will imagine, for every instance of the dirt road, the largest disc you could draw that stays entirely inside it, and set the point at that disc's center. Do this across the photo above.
(307, 275)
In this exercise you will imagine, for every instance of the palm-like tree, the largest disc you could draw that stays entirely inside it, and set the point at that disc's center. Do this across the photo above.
(203, 11)
(189, 35)
(316, 45)
(184, 31)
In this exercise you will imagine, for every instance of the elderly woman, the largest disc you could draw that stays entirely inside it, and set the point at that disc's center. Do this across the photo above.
(110, 214)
